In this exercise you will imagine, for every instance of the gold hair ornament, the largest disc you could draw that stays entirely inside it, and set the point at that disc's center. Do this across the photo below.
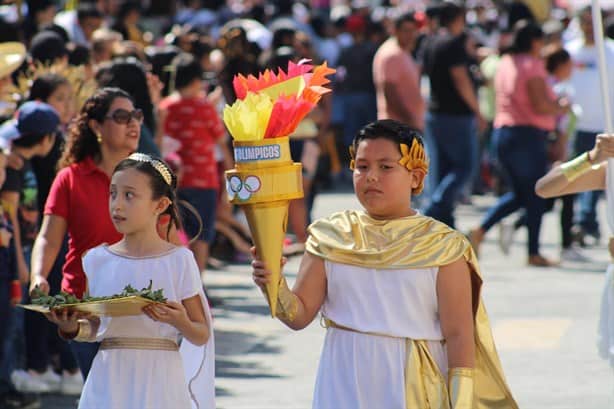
(157, 165)
(411, 158)
(82, 86)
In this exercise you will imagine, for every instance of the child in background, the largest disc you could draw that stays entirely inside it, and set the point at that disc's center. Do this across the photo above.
(194, 122)
(139, 363)
(399, 293)
(10, 295)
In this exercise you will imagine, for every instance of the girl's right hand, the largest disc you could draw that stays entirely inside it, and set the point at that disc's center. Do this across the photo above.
(260, 274)
(66, 319)
(604, 148)
(41, 282)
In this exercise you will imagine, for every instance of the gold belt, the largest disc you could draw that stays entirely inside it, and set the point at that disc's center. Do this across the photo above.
(425, 386)
(328, 323)
(158, 344)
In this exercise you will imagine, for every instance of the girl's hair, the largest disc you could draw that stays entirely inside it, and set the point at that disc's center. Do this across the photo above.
(45, 85)
(555, 57)
(130, 75)
(159, 186)
(82, 142)
(524, 33)
(390, 129)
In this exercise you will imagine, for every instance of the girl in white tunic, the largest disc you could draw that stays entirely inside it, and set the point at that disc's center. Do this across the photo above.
(139, 364)
(591, 170)
(398, 293)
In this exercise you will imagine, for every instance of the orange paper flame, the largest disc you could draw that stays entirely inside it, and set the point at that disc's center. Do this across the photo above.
(294, 94)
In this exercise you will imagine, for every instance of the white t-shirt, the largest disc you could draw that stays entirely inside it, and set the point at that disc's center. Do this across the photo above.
(586, 83)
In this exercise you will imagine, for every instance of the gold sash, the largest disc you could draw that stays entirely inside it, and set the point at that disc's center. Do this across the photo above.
(415, 242)
(425, 386)
(157, 344)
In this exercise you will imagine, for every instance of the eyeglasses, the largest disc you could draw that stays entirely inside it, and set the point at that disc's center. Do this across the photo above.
(123, 117)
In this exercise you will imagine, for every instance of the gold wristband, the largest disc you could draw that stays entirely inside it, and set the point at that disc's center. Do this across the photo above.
(287, 303)
(86, 331)
(576, 167)
(460, 388)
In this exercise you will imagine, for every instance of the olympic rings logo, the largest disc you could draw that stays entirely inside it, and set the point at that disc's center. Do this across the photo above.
(243, 189)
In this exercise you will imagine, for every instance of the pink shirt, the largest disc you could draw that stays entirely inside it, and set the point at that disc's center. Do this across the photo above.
(513, 106)
(393, 65)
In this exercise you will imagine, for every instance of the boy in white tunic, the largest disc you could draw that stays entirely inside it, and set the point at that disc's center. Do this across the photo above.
(399, 293)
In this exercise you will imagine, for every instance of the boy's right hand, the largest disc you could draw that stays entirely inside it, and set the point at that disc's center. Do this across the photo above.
(41, 282)
(260, 274)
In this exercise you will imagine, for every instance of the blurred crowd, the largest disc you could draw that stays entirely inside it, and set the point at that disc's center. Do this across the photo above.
(500, 90)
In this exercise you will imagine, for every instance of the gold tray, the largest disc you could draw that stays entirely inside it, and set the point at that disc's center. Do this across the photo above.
(116, 307)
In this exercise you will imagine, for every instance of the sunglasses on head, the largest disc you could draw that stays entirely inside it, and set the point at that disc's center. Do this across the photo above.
(123, 116)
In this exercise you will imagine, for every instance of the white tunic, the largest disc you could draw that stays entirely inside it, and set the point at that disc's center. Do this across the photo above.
(360, 371)
(606, 319)
(132, 378)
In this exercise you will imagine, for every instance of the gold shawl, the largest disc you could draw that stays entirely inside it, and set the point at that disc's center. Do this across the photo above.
(415, 242)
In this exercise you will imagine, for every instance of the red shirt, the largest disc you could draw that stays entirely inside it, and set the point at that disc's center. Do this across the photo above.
(195, 123)
(80, 195)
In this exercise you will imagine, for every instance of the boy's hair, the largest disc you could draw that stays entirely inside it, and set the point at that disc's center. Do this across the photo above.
(390, 129)
(45, 85)
(157, 170)
(394, 131)
(449, 11)
(404, 18)
(555, 57)
(88, 10)
(47, 47)
(187, 70)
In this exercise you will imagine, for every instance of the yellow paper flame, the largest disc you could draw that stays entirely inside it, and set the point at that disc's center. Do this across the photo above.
(247, 119)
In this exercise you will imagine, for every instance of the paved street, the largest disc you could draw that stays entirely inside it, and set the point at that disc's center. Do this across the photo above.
(544, 322)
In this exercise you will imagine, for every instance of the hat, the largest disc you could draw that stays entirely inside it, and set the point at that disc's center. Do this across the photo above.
(33, 117)
(12, 55)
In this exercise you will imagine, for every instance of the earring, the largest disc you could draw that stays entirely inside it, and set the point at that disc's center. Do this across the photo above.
(99, 138)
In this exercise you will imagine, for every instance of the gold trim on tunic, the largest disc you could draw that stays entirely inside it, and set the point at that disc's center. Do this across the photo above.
(157, 344)
(425, 386)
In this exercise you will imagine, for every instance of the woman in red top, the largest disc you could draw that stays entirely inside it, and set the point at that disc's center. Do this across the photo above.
(107, 130)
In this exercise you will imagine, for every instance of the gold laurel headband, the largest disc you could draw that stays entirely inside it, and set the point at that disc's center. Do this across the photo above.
(411, 158)
(157, 165)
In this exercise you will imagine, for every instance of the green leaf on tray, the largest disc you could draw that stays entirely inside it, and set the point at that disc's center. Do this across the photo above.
(58, 300)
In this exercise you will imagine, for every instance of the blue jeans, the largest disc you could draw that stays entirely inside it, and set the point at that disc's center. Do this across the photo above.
(451, 143)
(85, 353)
(205, 203)
(13, 345)
(586, 215)
(360, 109)
(5, 324)
(521, 152)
